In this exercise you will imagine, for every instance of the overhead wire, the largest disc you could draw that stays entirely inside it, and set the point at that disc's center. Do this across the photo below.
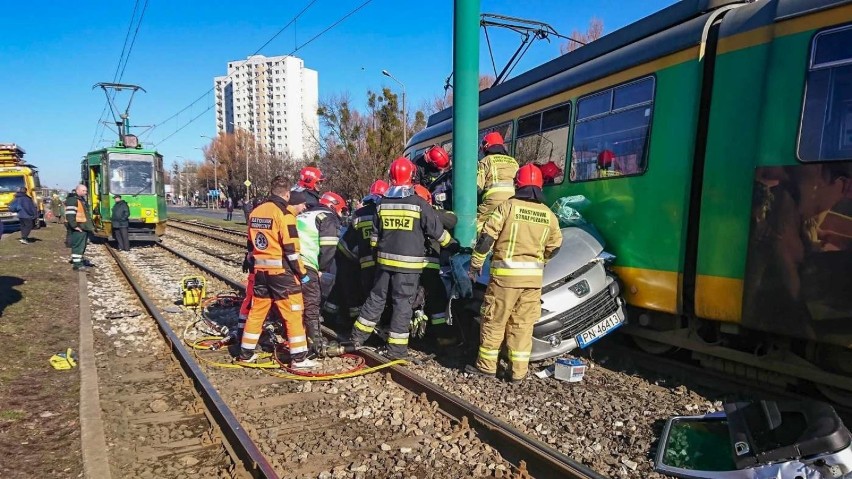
(123, 58)
(99, 126)
(296, 49)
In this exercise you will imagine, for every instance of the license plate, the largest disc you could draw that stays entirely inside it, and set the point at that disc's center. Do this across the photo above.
(598, 331)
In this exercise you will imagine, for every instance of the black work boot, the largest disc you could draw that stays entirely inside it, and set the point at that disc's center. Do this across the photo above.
(475, 371)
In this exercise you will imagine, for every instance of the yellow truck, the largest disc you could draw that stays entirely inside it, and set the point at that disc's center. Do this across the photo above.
(15, 173)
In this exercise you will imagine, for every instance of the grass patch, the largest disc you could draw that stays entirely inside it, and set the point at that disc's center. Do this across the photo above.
(39, 317)
(11, 415)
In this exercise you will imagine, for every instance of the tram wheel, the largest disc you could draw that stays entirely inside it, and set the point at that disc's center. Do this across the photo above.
(652, 347)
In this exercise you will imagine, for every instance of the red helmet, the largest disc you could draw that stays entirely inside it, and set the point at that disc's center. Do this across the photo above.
(529, 175)
(492, 139)
(437, 157)
(333, 201)
(310, 177)
(422, 192)
(550, 170)
(605, 159)
(379, 188)
(401, 172)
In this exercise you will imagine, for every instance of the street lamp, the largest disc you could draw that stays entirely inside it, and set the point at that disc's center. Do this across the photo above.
(247, 159)
(180, 180)
(215, 174)
(404, 121)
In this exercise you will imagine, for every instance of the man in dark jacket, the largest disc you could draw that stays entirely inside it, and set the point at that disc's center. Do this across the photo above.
(27, 213)
(120, 222)
(78, 222)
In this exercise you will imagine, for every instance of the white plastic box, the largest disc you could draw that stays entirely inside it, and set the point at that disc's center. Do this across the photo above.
(569, 369)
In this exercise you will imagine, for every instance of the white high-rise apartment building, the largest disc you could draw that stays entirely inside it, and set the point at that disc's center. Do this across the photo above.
(273, 98)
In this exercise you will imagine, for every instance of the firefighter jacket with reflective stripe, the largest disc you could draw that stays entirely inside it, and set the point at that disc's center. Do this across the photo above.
(356, 238)
(433, 249)
(77, 213)
(318, 229)
(524, 235)
(400, 229)
(495, 177)
(275, 239)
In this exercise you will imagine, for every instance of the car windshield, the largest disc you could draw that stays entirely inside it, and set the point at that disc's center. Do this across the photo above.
(131, 174)
(11, 183)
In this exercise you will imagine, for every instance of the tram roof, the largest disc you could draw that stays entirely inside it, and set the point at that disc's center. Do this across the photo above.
(668, 31)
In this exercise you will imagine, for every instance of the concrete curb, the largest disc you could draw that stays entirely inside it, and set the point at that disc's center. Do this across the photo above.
(95, 457)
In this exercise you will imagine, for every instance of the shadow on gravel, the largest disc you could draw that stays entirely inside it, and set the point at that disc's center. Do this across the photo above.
(8, 294)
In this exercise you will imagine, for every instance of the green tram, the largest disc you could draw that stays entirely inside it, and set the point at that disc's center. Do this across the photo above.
(714, 142)
(134, 173)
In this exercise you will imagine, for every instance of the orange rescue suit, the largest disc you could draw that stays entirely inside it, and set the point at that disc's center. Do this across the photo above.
(274, 243)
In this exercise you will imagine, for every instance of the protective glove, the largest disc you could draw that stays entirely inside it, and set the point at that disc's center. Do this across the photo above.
(248, 263)
(453, 247)
(473, 274)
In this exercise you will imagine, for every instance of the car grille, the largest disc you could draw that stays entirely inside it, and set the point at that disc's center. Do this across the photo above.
(585, 315)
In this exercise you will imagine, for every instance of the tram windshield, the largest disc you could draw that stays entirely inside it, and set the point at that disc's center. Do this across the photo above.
(131, 174)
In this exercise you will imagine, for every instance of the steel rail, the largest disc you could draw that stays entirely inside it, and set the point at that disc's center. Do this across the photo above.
(235, 438)
(529, 455)
(210, 227)
(239, 244)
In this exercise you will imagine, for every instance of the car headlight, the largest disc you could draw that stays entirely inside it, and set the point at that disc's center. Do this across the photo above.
(607, 258)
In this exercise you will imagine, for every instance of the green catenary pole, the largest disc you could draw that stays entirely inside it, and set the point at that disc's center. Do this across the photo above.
(465, 117)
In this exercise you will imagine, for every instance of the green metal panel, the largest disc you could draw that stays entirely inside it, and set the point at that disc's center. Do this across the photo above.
(757, 101)
(642, 217)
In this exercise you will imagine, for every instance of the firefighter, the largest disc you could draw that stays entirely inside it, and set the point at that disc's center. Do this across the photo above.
(495, 174)
(403, 221)
(436, 296)
(78, 222)
(318, 227)
(433, 163)
(307, 189)
(279, 275)
(524, 234)
(355, 248)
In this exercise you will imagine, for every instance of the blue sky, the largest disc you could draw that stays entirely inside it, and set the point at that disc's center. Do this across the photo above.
(54, 52)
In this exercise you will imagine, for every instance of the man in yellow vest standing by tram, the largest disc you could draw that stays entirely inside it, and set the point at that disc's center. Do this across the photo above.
(524, 234)
(78, 221)
(495, 175)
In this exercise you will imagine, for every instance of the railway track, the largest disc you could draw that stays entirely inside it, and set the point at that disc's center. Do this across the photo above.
(209, 227)
(445, 437)
(203, 231)
(163, 417)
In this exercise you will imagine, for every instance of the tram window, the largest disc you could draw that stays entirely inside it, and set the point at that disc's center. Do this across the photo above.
(594, 105)
(826, 131)
(615, 142)
(131, 174)
(545, 145)
(448, 147)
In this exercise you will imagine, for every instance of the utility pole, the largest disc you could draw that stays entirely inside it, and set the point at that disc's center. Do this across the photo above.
(404, 120)
(465, 117)
(215, 162)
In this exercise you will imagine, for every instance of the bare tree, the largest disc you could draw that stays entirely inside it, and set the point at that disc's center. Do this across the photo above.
(594, 31)
(442, 102)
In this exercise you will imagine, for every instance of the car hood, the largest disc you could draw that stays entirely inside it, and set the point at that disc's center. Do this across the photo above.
(578, 248)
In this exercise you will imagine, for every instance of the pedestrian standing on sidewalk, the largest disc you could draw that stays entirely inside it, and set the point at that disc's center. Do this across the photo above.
(120, 223)
(247, 208)
(229, 208)
(27, 213)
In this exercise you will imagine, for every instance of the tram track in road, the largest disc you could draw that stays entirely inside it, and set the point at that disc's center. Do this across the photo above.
(527, 455)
